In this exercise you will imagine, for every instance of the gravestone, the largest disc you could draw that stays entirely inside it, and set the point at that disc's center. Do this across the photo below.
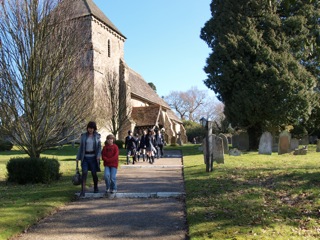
(294, 144)
(234, 152)
(241, 141)
(313, 139)
(304, 140)
(318, 146)
(301, 151)
(284, 142)
(265, 144)
(225, 142)
(217, 149)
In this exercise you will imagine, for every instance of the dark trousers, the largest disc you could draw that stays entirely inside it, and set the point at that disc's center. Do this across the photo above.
(160, 150)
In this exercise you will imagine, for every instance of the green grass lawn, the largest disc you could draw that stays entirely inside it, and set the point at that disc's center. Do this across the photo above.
(251, 196)
(23, 205)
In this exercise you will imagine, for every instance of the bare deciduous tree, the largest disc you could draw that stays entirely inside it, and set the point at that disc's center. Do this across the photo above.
(43, 73)
(112, 110)
(186, 103)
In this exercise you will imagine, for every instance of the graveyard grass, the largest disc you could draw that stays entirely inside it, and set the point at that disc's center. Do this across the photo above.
(251, 196)
(21, 206)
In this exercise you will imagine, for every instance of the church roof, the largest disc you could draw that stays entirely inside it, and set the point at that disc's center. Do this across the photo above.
(173, 116)
(84, 8)
(145, 116)
(141, 89)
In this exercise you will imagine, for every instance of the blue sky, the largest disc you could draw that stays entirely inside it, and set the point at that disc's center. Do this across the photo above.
(163, 43)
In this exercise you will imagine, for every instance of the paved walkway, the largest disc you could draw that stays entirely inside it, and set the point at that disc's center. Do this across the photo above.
(149, 205)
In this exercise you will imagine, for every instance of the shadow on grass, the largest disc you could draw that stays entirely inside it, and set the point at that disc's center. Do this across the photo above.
(260, 197)
(66, 150)
(11, 152)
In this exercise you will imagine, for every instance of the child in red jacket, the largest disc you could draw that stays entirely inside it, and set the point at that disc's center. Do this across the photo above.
(110, 157)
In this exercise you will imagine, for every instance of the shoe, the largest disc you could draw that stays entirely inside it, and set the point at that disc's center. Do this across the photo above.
(113, 191)
(96, 190)
(82, 195)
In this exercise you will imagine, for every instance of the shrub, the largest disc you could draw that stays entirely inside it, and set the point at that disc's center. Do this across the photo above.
(194, 130)
(33, 170)
(119, 143)
(5, 145)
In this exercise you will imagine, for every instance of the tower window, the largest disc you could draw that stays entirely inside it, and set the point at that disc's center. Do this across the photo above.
(109, 48)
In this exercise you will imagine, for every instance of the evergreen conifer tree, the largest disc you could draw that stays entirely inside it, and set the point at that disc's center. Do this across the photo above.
(253, 69)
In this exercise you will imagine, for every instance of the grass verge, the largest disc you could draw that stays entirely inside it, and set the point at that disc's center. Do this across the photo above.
(251, 196)
(21, 206)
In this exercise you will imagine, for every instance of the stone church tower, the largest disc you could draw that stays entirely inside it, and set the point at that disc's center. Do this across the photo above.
(141, 106)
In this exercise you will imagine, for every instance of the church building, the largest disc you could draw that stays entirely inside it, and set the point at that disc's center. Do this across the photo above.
(143, 108)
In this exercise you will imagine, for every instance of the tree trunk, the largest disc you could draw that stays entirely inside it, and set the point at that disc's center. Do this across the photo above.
(254, 133)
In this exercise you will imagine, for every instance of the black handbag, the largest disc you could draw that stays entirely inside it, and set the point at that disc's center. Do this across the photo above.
(77, 178)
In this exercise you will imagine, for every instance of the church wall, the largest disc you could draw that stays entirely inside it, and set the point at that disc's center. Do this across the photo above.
(107, 49)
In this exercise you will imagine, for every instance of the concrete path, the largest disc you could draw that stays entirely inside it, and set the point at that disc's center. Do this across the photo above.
(149, 205)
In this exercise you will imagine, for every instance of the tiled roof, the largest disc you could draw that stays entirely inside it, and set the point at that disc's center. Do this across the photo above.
(140, 88)
(145, 116)
(84, 8)
(173, 116)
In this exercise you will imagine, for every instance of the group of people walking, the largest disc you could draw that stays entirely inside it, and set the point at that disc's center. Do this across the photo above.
(148, 146)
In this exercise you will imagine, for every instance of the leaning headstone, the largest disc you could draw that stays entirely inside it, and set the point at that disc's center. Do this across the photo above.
(241, 141)
(225, 142)
(318, 145)
(284, 142)
(234, 152)
(217, 149)
(265, 144)
(294, 144)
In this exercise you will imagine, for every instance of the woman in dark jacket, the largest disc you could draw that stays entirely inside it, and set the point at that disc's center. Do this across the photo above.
(89, 154)
(150, 146)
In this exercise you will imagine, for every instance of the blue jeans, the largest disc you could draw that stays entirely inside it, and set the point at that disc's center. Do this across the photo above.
(110, 174)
